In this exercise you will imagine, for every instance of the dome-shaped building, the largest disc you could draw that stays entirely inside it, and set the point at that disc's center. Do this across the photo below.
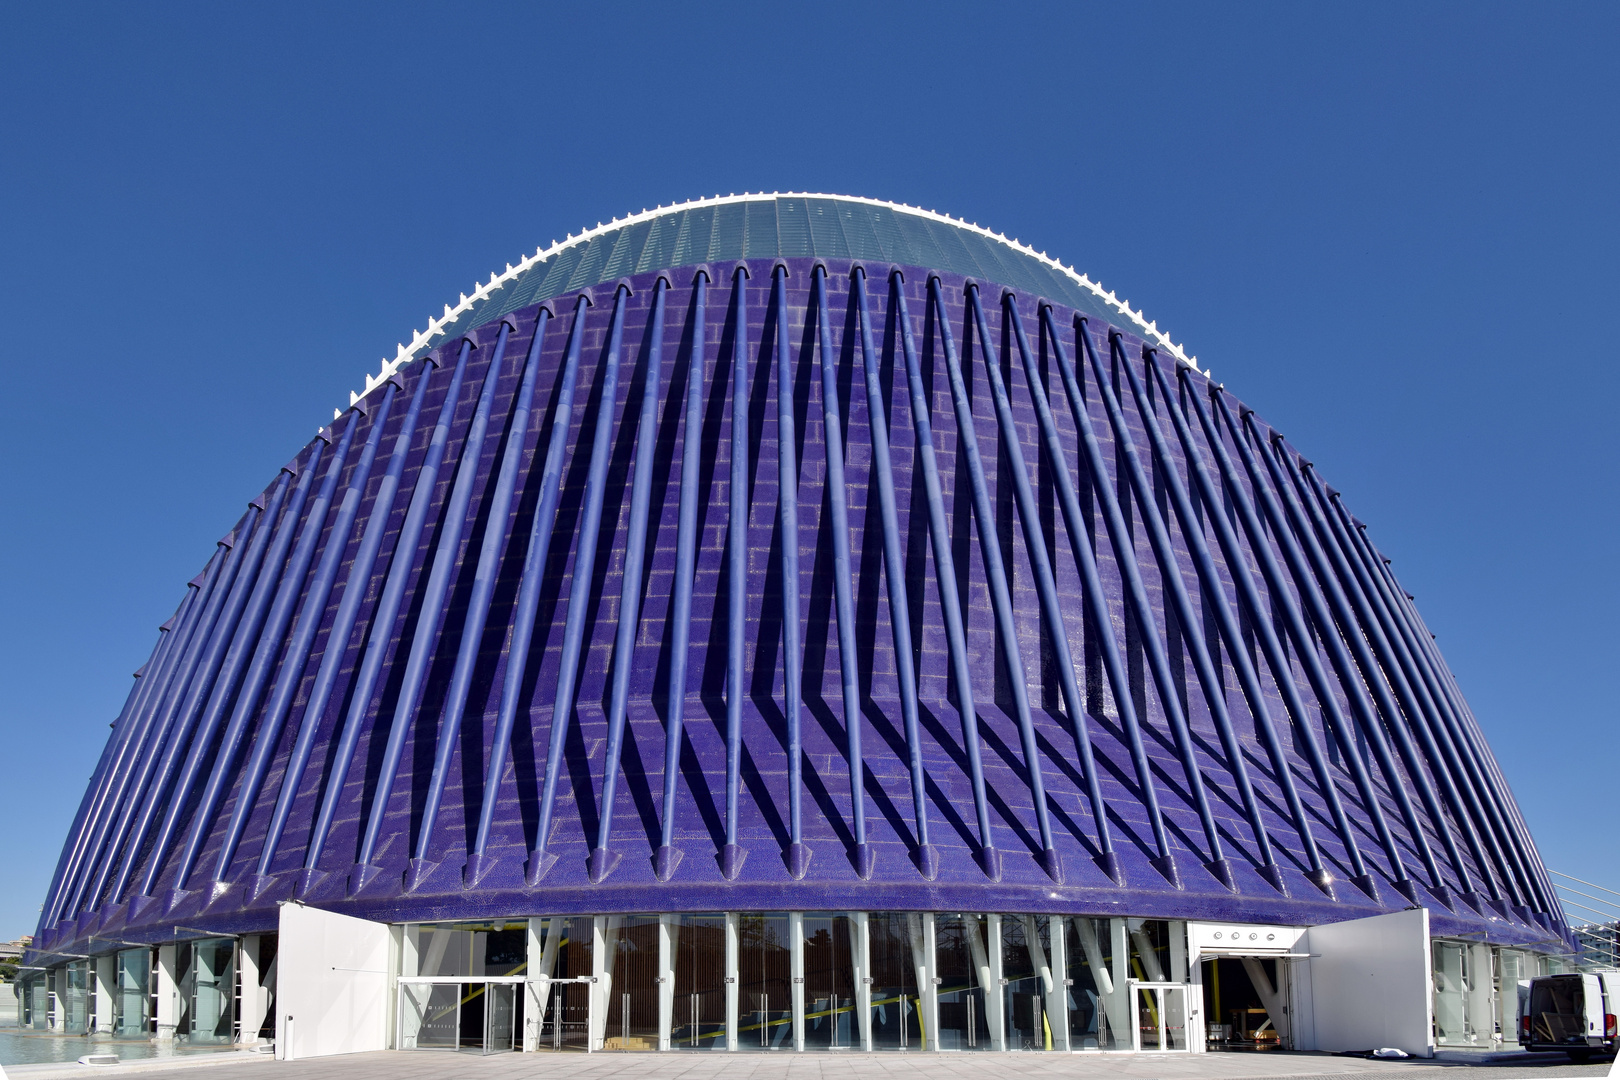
(817, 622)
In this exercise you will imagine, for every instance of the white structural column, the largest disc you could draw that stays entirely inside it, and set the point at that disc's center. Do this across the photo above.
(733, 961)
(104, 970)
(1192, 999)
(253, 995)
(669, 928)
(995, 991)
(168, 994)
(535, 1003)
(604, 935)
(796, 936)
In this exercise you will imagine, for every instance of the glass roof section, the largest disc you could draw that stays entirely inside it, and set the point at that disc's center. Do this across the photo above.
(728, 228)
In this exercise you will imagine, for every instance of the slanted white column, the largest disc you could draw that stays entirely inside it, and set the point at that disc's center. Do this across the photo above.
(56, 990)
(995, 994)
(168, 993)
(104, 970)
(1123, 1014)
(1057, 993)
(254, 998)
(861, 946)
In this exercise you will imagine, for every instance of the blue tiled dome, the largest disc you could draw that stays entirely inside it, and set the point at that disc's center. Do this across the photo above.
(1042, 621)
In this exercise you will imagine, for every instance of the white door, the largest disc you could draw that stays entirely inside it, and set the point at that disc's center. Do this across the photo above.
(332, 984)
(1370, 983)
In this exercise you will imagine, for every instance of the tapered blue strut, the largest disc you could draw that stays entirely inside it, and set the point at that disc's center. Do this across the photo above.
(425, 637)
(579, 589)
(1422, 642)
(489, 557)
(1045, 587)
(787, 512)
(483, 590)
(1419, 638)
(355, 589)
(1187, 617)
(212, 655)
(291, 671)
(1335, 723)
(93, 802)
(602, 859)
(1290, 532)
(1442, 767)
(666, 858)
(128, 799)
(1260, 545)
(136, 729)
(1418, 695)
(116, 777)
(996, 575)
(1371, 729)
(379, 636)
(832, 434)
(1095, 600)
(95, 791)
(732, 855)
(446, 561)
(1237, 650)
(528, 598)
(1124, 545)
(894, 576)
(267, 640)
(263, 570)
(945, 580)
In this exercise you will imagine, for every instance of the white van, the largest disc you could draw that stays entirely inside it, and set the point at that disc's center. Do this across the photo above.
(1573, 1013)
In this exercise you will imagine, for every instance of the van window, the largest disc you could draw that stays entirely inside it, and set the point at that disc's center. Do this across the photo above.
(1558, 1009)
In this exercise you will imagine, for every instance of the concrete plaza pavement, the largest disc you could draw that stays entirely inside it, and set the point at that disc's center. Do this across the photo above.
(394, 1065)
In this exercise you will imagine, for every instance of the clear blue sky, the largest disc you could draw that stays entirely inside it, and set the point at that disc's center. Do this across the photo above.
(1390, 229)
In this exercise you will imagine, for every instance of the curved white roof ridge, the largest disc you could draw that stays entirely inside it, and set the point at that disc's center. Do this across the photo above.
(422, 339)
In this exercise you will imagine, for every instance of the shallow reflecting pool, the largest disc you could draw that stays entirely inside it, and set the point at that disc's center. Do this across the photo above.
(19, 1047)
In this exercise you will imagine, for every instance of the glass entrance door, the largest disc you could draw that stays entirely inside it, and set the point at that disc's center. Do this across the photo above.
(765, 996)
(899, 965)
(1161, 1016)
(831, 948)
(500, 1017)
(631, 946)
(429, 1015)
(211, 988)
(699, 947)
(565, 1021)
(962, 965)
(132, 1001)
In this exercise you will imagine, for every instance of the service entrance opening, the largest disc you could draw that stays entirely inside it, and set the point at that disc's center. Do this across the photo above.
(1245, 1003)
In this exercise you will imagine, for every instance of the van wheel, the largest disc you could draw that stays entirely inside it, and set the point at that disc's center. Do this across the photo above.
(1580, 1057)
